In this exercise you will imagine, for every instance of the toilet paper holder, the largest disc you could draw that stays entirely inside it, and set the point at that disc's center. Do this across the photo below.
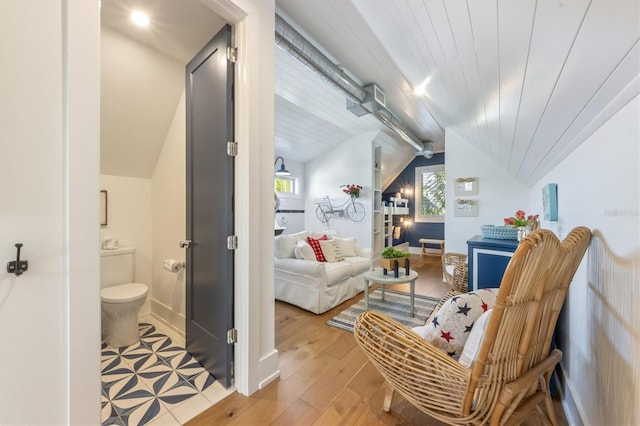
(173, 265)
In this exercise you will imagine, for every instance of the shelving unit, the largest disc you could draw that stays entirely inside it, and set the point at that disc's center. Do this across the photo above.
(377, 226)
(388, 226)
(399, 207)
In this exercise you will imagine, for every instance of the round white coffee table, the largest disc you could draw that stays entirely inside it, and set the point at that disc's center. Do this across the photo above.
(379, 277)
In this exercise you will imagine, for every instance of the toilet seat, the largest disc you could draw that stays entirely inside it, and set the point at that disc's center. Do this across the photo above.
(123, 293)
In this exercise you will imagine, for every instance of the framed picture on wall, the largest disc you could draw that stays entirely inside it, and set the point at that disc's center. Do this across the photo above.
(466, 186)
(465, 208)
(103, 207)
(550, 202)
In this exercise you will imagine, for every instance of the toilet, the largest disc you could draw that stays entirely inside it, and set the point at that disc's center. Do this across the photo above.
(121, 297)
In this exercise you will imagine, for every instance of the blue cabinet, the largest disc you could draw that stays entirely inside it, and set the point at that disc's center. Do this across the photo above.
(488, 259)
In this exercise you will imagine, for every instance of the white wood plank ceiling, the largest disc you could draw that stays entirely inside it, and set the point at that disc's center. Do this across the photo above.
(526, 81)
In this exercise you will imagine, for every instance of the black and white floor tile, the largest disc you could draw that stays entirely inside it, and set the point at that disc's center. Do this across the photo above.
(145, 381)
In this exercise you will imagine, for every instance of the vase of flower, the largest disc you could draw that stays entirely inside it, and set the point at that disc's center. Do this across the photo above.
(523, 223)
(522, 232)
(352, 190)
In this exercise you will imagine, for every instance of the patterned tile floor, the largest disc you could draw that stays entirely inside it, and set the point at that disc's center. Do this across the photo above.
(154, 381)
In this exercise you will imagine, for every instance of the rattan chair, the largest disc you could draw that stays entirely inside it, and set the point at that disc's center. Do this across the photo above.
(511, 373)
(457, 279)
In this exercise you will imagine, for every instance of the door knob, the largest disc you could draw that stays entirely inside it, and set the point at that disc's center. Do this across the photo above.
(185, 243)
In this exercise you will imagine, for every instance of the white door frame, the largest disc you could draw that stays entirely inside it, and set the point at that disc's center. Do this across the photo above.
(256, 358)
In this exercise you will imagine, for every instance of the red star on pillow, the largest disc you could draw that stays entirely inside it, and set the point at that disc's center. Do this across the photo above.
(484, 306)
(446, 336)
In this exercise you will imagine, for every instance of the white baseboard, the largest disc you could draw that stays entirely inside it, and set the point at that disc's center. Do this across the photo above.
(269, 370)
(171, 318)
(572, 411)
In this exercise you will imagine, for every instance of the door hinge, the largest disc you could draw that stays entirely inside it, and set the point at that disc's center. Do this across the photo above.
(232, 149)
(232, 54)
(232, 336)
(232, 242)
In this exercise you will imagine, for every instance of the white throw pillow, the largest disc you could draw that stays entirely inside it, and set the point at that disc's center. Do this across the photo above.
(304, 251)
(283, 247)
(285, 244)
(347, 246)
(331, 250)
(472, 347)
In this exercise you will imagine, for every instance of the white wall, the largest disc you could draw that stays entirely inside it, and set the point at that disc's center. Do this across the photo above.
(49, 120)
(129, 221)
(294, 222)
(500, 195)
(140, 87)
(349, 162)
(169, 223)
(599, 187)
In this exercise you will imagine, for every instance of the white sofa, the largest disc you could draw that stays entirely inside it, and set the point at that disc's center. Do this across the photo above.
(318, 286)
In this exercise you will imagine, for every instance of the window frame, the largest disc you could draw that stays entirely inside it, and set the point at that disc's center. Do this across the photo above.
(417, 190)
(294, 183)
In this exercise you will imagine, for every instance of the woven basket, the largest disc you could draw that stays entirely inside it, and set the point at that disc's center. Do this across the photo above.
(499, 232)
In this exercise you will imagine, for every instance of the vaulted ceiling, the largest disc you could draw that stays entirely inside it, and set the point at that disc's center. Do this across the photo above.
(526, 81)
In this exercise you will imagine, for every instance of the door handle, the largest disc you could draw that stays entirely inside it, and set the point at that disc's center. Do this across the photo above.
(185, 243)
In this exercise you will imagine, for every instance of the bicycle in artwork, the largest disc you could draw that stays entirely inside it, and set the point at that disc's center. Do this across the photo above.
(351, 209)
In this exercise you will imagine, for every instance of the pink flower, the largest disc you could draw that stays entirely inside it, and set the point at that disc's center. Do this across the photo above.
(353, 190)
(521, 219)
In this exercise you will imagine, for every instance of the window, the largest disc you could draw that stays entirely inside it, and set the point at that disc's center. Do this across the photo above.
(430, 193)
(285, 186)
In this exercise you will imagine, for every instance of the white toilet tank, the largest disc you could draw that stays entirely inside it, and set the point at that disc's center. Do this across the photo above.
(117, 266)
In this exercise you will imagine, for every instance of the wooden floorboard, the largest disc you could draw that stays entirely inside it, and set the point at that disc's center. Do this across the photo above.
(325, 379)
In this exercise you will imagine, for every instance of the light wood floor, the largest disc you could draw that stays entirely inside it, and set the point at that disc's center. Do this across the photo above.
(325, 379)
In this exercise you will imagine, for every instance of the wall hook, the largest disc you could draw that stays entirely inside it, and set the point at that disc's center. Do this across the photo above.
(17, 266)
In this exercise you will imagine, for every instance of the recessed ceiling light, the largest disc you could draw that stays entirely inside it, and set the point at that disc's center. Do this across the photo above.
(140, 18)
(421, 89)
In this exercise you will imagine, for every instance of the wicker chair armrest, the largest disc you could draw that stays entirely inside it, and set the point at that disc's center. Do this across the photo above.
(532, 388)
(461, 278)
(422, 373)
(453, 258)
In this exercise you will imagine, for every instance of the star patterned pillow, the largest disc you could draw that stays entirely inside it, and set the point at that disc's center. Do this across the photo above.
(450, 326)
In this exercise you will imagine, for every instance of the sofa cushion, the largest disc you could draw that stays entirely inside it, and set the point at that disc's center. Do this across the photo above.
(450, 326)
(358, 264)
(285, 244)
(337, 271)
(304, 251)
(297, 267)
(331, 250)
(315, 245)
(347, 246)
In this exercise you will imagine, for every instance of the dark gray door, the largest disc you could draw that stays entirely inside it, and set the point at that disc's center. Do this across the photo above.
(210, 206)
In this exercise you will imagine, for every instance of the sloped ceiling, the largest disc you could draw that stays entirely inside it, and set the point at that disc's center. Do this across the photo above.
(142, 77)
(526, 81)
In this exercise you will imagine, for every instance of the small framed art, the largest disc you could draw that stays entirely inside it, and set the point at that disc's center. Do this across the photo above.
(465, 208)
(103, 207)
(466, 186)
(550, 202)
